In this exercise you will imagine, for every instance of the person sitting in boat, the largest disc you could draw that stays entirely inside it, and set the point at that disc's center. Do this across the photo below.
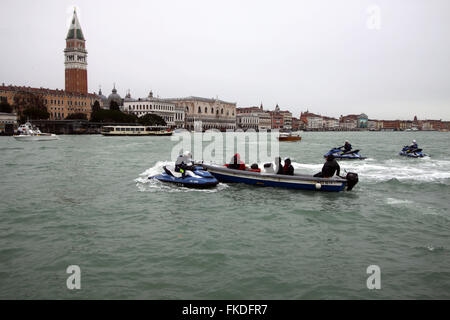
(236, 163)
(329, 168)
(288, 169)
(347, 146)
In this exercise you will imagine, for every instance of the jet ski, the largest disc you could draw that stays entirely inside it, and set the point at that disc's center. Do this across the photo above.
(195, 177)
(341, 154)
(412, 153)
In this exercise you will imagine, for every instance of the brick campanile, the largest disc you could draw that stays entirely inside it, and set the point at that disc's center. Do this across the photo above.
(75, 58)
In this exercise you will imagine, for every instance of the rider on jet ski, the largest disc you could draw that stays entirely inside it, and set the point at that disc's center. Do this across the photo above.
(412, 147)
(184, 162)
(347, 147)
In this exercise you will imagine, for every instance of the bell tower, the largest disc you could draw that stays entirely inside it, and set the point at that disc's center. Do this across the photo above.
(75, 55)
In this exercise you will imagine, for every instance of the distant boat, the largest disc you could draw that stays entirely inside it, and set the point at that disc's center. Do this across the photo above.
(28, 133)
(289, 137)
(136, 131)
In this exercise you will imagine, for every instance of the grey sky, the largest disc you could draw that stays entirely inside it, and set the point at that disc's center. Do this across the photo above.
(316, 55)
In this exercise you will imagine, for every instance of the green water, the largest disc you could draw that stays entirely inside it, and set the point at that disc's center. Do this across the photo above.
(85, 200)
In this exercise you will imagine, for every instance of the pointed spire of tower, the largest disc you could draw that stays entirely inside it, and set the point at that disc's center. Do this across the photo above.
(75, 28)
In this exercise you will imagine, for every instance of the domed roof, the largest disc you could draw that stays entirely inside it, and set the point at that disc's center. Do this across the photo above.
(101, 96)
(114, 97)
(128, 97)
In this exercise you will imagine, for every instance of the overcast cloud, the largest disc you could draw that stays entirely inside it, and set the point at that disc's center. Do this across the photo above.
(316, 55)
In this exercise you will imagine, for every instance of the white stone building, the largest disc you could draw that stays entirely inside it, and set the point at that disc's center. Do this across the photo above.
(179, 117)
(211, 113)
(330, 123)
(247, 121)
(314, 122)
(150, 105)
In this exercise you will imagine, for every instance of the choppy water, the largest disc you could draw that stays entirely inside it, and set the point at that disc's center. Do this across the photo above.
(85, 200)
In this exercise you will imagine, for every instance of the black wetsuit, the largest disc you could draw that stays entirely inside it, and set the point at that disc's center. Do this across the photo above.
(329, 169)
(347, 147)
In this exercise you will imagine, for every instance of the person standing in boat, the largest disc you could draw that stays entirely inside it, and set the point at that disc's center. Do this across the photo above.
(329, 168)
(288, 169)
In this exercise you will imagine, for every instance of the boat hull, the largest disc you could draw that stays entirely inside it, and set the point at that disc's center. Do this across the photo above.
(37, 138)
(136, 135)
(289, 139)
(298, 182)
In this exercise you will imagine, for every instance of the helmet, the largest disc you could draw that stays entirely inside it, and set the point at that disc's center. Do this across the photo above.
(187, 154)
(414, 141)
(346, 141)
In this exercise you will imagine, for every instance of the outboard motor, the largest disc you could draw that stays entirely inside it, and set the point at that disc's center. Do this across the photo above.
(352, 180)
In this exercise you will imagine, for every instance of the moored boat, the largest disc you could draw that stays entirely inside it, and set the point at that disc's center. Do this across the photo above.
(268, 177)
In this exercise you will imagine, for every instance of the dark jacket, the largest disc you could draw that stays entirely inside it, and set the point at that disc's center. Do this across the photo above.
(330, 168)
(347, 147)
(288, 170)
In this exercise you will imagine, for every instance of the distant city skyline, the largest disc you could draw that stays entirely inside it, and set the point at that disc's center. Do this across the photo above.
(319, 56)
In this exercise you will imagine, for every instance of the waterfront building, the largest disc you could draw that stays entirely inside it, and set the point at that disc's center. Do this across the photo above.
(391, 125)
(7, 122)
(349, 122)
(247, 121)
(311, 120)
(277, 118)
(287, 120)
(374, 125)
(265, 121)
(179, 117)
(209, 113)
(151, 105)
(330, 123)
(59, 103)
(253, 117)
(295, 124)
(362, 121)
